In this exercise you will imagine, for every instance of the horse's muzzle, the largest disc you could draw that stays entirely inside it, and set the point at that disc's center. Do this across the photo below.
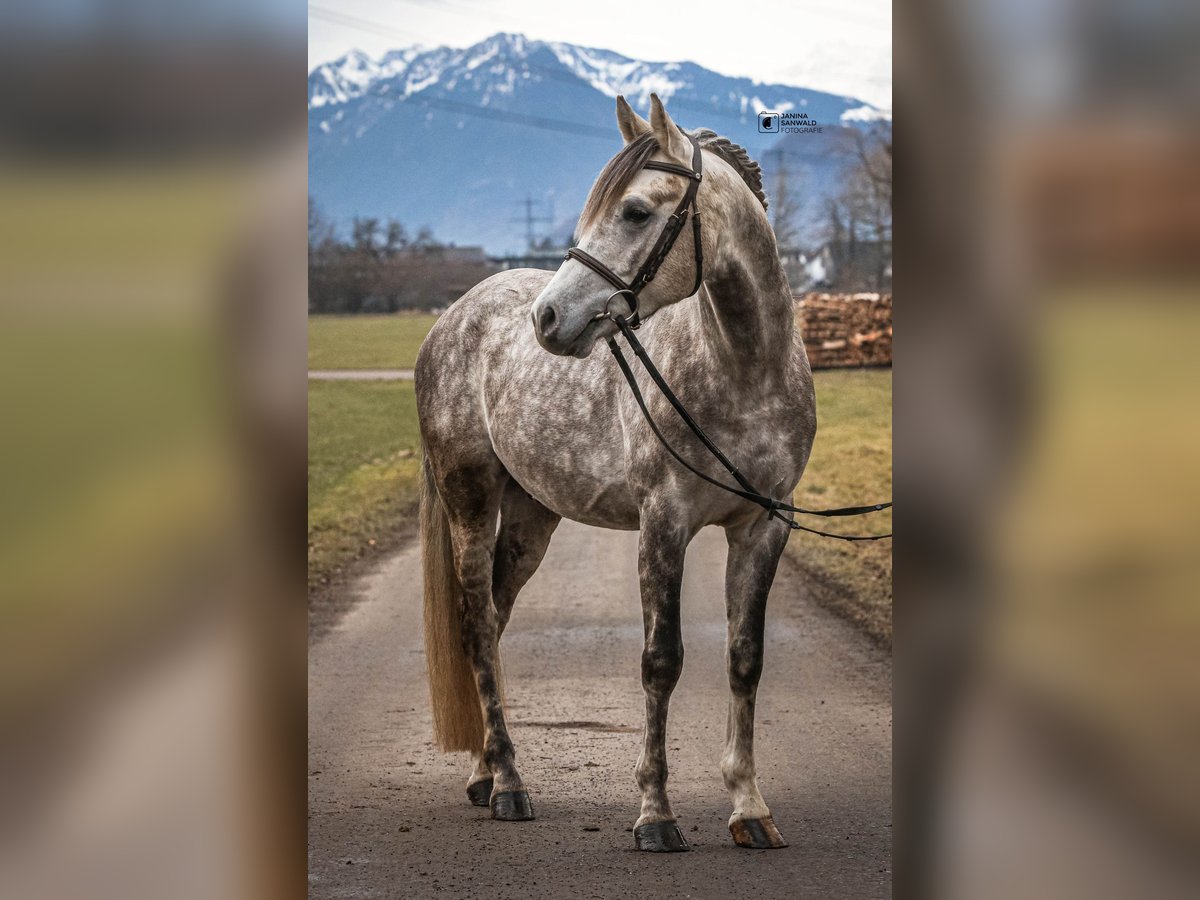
(554, 329)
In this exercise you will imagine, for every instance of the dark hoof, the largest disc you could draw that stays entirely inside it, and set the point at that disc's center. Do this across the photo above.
(660, 837)
(480, 792)
(757, 834)
(512, 806)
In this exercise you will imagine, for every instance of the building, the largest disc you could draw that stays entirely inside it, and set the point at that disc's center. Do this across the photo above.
(850, 266)
(549, 258)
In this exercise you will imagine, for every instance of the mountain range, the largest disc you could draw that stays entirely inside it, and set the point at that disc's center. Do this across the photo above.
(458, 140)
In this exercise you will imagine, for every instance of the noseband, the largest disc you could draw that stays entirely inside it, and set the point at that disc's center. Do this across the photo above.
(666, 240)
(687, 206)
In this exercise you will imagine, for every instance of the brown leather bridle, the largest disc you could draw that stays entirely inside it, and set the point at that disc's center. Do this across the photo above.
(626, 325)
(666, 240)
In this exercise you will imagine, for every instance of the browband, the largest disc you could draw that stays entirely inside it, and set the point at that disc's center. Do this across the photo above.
(666, 240)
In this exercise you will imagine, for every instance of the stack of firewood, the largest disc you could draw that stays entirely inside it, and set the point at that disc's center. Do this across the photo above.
(846, 329)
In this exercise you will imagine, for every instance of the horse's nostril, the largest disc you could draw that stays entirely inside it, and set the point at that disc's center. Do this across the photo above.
(547, 319)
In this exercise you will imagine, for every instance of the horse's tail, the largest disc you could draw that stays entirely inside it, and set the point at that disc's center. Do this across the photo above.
(457, 717)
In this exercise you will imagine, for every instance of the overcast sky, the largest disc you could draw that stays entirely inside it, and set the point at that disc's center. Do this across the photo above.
(842, 46)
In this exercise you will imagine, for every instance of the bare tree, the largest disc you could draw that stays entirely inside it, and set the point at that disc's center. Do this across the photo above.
(320, 231)
(785, 203)
(365, 275)
(424, 239)
(867, 186)
(859, 217)
(835, 222)
(874, 151)
(396, 238)
(364, 236)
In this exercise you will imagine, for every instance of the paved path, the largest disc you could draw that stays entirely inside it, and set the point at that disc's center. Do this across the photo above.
(360, 375)
(389, 816)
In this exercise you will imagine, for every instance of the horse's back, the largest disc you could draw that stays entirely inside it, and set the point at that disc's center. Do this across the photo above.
(496, 301)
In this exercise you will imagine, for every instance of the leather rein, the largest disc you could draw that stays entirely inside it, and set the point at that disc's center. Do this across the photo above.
(627, 324)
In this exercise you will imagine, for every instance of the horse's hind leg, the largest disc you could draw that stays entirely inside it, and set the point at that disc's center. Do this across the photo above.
(660, 567)
(753, 557)
(472, 498)
(525, 530)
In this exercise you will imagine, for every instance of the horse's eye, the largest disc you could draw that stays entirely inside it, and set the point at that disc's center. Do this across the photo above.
(636, 214)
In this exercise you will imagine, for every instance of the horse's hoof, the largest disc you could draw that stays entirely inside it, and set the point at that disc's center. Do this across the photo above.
(512, 806)
(660, 837)
(757, 834)
(480, 792)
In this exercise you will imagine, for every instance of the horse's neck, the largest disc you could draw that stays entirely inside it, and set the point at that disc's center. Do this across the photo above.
(746, 308)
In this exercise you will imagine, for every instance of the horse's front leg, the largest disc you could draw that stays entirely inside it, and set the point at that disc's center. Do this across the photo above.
(754, 553)
(660, 567)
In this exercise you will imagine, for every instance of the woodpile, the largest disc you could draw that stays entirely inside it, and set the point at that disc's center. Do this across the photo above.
(841, 330)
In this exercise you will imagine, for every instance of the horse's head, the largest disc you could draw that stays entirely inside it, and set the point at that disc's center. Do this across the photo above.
(622, 220)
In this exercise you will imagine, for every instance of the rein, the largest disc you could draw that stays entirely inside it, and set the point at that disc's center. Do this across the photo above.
(774, 508)
(666, 240)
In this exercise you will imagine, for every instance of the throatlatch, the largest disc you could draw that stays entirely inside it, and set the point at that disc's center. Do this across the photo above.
(775, 508)
(666, 240)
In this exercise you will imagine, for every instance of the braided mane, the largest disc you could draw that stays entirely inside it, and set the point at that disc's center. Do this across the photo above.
(736, 156)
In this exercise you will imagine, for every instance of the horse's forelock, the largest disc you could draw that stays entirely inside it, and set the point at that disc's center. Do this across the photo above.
(620, 170)
(615, 177)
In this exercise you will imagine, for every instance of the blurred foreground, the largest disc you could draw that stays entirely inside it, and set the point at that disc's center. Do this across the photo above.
(1048, 566)
(152, 169)
(1046, 620)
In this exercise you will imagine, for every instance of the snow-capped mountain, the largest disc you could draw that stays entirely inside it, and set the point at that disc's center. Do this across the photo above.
(457, 138)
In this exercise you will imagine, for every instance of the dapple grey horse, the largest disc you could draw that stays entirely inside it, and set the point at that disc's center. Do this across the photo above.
(524, 423)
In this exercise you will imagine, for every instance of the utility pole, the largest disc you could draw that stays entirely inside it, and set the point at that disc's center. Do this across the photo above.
(530, 220)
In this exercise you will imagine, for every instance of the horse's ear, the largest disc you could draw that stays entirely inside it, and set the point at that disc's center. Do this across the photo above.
(631, 124)
(670, 138)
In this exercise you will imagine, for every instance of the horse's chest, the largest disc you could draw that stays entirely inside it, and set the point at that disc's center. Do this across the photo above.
(566, 454)
(767, 436)
(763, 437)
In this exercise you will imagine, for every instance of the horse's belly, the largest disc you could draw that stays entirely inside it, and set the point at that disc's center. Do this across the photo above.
(573, 490)
(588, 501)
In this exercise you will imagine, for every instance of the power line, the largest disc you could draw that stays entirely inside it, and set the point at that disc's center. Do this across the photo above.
(515, 118)
(566, 77)
(350, 21)
(424, 98)
(467, 11)
(545, 123)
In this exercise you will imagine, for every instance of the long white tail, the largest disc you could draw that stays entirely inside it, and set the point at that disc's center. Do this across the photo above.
(457, 717)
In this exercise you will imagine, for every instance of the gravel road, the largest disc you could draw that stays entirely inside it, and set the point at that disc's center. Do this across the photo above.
(389, 817)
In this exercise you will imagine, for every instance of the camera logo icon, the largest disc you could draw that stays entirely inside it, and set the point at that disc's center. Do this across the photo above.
(768, 122)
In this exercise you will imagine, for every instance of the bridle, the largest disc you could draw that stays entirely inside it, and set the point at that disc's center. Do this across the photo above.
(666, 239)
(627, 324)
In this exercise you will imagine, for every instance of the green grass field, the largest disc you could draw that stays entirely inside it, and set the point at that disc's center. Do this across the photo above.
(366, 342)
(363, 463)
(851, 464)
(364, 452)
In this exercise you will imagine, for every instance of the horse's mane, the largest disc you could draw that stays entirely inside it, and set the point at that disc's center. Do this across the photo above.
(616, 175)
(737, 157)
